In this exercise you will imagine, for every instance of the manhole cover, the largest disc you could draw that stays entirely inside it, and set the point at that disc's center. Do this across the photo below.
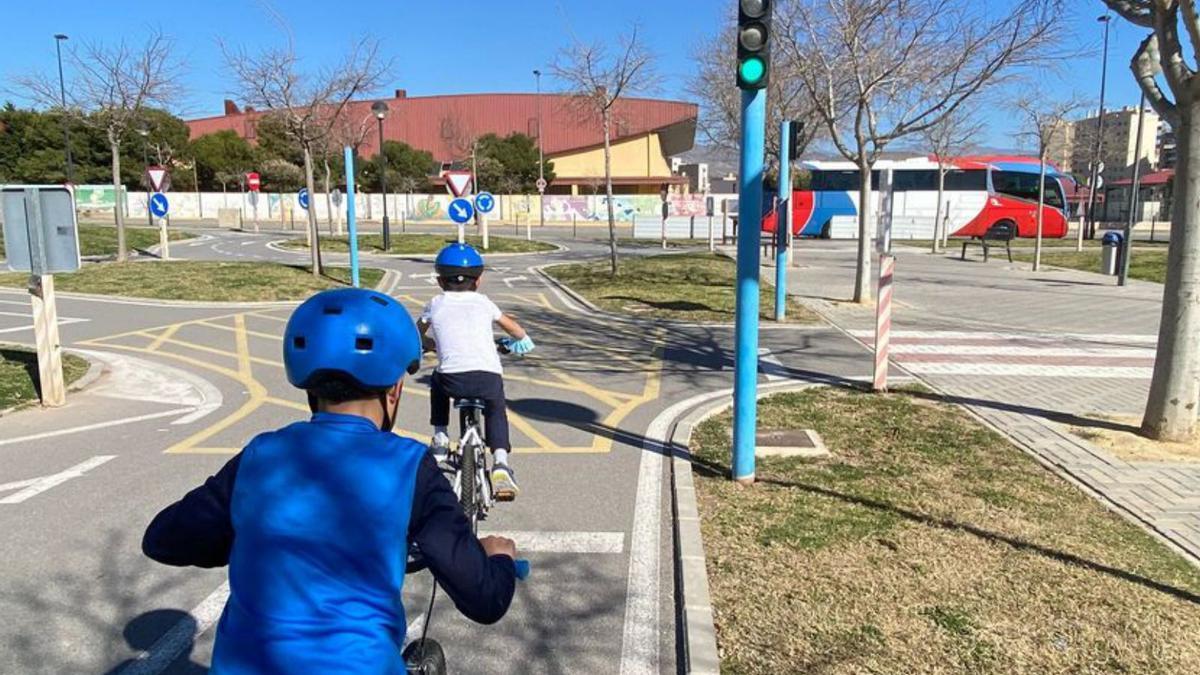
(795, 438)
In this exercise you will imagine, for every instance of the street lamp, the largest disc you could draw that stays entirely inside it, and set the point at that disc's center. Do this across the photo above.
(143, 130)
(381, 110)
(1091, 215)
(541, 184)
(62, 89)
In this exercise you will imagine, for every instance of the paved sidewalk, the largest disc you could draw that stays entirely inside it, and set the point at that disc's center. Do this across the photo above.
(1031, 354)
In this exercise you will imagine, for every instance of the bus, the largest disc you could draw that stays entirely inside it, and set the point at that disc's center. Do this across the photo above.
(980, 193)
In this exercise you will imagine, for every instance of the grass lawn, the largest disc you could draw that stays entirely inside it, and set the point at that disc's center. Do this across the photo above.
(412, 244)
(1147, 265)
(689, 286)
(213, 281)
(19, 374)
(627, 242)
(926, 543)
(102, 239)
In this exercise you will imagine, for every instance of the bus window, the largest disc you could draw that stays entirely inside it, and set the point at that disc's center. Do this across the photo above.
(910, 179)
(1024, 186)
(958, 180)
(840, 181)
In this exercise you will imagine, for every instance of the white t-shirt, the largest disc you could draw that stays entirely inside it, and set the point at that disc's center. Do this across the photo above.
(461, 324)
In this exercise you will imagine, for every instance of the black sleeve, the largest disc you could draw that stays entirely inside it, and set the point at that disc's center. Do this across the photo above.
(481, 587)
(196, 530)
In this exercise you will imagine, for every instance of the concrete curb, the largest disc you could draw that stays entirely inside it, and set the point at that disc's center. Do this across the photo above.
(699, 653)
(275, 246)
(94, 371)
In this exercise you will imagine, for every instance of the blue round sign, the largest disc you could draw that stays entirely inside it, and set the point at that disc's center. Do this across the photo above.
(460, 210)
(159, 206)
(302, 197)
(485, 202)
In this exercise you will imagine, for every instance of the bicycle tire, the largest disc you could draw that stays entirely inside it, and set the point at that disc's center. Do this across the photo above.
(468, 490)
(424, 657)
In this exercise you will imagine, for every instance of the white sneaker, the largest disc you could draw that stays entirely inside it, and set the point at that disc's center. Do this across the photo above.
(440, 444)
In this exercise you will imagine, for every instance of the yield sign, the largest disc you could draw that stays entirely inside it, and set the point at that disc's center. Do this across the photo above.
(156, 175)
(458, 182)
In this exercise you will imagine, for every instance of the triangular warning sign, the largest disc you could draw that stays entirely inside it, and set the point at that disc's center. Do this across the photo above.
(156, 174)
(459, 182)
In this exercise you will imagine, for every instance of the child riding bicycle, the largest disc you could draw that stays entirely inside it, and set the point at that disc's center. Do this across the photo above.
(315, 519)
(460, 320)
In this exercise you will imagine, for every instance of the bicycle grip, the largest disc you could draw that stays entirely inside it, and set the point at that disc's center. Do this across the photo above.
(522, 567)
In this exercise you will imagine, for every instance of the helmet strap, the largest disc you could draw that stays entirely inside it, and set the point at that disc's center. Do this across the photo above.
(312, 402)
(389, 420)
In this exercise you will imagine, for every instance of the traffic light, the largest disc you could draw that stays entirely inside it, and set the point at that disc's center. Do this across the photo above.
(753, 43)
(795, 132)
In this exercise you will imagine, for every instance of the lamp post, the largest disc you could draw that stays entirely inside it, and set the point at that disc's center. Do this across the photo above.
(144, 132)
(62, 90)
(1091, 215)
(537, 74)
(381, 110)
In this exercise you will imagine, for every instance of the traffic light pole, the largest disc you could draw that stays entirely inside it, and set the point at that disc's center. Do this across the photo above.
(745, 383)
(783, 220)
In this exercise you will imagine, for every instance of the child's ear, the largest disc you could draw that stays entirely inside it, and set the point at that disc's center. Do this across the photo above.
(395, 391)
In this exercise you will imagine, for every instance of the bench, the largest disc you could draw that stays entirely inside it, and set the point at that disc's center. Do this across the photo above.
(998, 234)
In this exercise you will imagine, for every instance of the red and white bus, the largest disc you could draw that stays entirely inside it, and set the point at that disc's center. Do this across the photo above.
(980, 192)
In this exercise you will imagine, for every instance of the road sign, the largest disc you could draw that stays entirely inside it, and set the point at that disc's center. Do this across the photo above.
(485, 202)
(459, 182)
(40, 229)
(158, 178)
(461, 211)
(254, 199)
(541, 184)
(302, 198)
(159, 206)
(253, 181)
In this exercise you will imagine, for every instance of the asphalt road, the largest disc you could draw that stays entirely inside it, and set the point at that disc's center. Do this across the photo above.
(186, 385)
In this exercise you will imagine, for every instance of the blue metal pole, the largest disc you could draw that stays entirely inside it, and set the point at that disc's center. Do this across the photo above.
(783, 221)
(745, 377)
(351, 221)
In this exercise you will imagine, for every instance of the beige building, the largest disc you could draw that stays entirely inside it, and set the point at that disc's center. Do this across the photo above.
(1073, 149)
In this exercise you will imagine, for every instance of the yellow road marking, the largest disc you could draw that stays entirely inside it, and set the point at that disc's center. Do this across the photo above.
(163, 337)
(231, 329)
(149, 331)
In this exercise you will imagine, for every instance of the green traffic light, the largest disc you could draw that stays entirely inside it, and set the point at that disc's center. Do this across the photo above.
(752, 70)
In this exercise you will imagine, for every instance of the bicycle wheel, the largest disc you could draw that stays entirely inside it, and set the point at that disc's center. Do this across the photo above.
(468, 472)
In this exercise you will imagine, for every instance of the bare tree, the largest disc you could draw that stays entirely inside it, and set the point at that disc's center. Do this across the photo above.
(1175, 388)
(1045, 121)
(347, 131)
(714, 85)
(881, 70)
(112, 88)
(597, 80)
(947, 139)
(310, 105)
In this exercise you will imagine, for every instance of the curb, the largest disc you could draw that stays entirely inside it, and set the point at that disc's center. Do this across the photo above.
(274, 246)
(695, 617)
(94, 371)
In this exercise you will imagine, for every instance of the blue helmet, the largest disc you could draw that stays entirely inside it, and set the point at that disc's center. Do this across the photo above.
(459, 260)
(362, 334)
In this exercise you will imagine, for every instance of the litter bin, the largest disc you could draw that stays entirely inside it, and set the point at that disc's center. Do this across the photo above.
(1110, 256)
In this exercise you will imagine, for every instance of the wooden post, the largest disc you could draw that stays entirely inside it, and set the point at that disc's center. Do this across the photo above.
(45, 333)
(164, 241)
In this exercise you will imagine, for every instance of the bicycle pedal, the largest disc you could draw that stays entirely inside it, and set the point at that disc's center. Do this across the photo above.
(505, 496)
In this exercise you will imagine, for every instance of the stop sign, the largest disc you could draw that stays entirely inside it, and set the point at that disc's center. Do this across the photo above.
(252, 181)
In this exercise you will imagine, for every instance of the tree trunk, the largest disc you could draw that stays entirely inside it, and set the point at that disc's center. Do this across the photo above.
(937, 213)
(1171, 408)
(1037, 242)
(862, 275)
(114, 145)
(608, 191)
(315, 249)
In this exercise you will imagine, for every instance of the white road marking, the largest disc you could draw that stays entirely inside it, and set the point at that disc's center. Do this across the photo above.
(135, 379)
(247, 243)
(180, 637)
(1001, 349)
(570, 304)
(985, 335)
(17, 485)
(93, 427)
(508, 281)
(639, 639)
(44, 483)
(1027, 370)
(770, 365)
(565, 542)
(62, 321)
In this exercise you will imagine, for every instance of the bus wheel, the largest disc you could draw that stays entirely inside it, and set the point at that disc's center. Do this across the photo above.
(825, 229)
(1000, 226)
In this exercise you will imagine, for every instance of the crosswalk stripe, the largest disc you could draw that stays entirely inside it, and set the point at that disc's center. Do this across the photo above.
(1029, 370)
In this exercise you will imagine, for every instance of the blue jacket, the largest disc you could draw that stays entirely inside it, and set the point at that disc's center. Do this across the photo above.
(314, 521)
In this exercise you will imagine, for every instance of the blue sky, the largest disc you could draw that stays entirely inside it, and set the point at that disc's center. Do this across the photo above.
(452, 46)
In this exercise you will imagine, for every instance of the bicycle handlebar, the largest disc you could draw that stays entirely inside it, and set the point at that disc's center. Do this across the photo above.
(523, 568)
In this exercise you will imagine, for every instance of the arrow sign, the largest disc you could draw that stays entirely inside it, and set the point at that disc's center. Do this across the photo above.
(458, 182)
(155, 175)
(485, 202)
(159, 205)
(461, 211)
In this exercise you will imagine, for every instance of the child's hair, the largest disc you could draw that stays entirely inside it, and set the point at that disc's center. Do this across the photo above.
(337, 387)
(459, 283)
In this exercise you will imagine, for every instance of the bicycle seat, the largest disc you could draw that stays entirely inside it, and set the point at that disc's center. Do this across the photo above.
(476, 403)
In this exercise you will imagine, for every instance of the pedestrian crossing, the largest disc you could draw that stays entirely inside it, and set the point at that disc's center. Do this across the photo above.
(1109, 356)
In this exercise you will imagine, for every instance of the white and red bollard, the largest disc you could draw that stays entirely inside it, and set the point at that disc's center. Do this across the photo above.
(883, 320)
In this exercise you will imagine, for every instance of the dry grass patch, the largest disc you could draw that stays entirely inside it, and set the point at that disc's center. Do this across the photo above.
(1120, 436)
(925, 544)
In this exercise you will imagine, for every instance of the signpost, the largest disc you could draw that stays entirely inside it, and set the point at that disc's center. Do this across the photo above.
(42, 238)
(460, 211)
(159, 208)
(887, 274)
(351, 221)
(485, 202)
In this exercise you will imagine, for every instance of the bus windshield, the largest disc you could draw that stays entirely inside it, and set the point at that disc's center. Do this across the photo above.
(1023, 185)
